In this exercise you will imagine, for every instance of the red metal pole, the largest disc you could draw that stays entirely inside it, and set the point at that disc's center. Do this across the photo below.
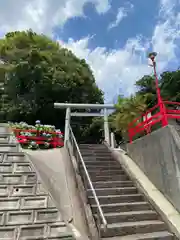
(160, 101)
(156, 81)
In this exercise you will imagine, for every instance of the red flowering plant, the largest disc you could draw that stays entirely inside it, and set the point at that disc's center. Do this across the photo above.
(38, 136)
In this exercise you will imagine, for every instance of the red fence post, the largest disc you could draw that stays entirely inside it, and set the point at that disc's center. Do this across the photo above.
(164, 115)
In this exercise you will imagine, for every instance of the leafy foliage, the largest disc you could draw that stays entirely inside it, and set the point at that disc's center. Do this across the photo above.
(170, 85)
(38, 72)
(127, 109)
(146, 88)
(35, 72)
(37, 136)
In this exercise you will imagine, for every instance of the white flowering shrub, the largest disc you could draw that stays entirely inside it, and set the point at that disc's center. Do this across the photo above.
(37, 136)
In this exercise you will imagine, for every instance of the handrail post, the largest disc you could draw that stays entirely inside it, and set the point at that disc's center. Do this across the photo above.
(112, 140)
(67, 124)
(106, 126)
(163, 113)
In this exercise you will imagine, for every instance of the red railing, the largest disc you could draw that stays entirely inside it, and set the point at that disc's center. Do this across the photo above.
(160, 113)
(55, 140)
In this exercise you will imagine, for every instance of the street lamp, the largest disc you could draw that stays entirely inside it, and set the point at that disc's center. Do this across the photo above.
(152, 57)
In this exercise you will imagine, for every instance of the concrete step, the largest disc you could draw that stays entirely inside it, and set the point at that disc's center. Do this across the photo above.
(92, 146)
(117, 198)
(164, 235)
(6, 138)
(96, 158)
(97, 172)
(100, 153)
(93, 156)
(113, 184)
(102, 168)
(108, 184)
(131, 216)
(102, 149)
(123, 207)
(8, 144)
(15, 154)
(120, 177)
(102, 163)
(113, 191)
(93, 149)
(5, 134)
(128, 228)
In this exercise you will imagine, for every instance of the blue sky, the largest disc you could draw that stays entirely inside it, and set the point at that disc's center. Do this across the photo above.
(97, 25)
(113, 36)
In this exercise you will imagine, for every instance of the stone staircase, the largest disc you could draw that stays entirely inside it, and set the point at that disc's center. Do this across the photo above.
(27, 211)
(129, 215)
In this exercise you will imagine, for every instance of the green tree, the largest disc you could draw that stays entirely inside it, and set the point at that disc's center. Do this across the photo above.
(36, 72)
(127, 109)
(94, 133)
(146, 88)
(170, 85)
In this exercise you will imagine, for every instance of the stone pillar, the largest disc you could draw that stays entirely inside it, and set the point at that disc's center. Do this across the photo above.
(106, 126)
(112, 140)
(67, 124)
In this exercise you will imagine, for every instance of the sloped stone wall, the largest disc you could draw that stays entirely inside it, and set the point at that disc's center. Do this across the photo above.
(158, 156)
(27, 211)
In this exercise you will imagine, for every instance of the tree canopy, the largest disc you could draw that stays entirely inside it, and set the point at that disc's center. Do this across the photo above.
(129, 108)
(35, 72)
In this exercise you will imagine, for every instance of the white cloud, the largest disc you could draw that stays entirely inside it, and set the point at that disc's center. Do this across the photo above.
(43, 15)
(167, 32)
(117, 70)
(121, 14)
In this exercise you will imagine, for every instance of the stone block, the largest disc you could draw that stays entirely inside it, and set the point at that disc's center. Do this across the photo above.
(32, 231)
(50, 203)
(6, 167)
(11, 179)
(23, 168)
(16, 218)
(7, 233)
(34, 202)
(2, 218)
(7, 148)
(57, 230)
(25, 190)
(31, 178)
(3, 129)
(9, 203)
(40, 190)
(15, 157)
(4, 140)
(47, 215)
(3, 191)
(1, 157)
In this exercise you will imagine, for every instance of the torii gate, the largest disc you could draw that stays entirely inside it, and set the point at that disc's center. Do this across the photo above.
(69, 113)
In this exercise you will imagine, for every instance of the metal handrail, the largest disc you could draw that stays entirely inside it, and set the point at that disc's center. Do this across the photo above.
(104, 222)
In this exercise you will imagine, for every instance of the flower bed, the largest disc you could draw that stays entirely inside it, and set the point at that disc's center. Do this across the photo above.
(38, 136)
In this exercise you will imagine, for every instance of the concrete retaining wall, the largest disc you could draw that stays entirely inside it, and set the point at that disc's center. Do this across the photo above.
(158, 156)
(55, 169)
